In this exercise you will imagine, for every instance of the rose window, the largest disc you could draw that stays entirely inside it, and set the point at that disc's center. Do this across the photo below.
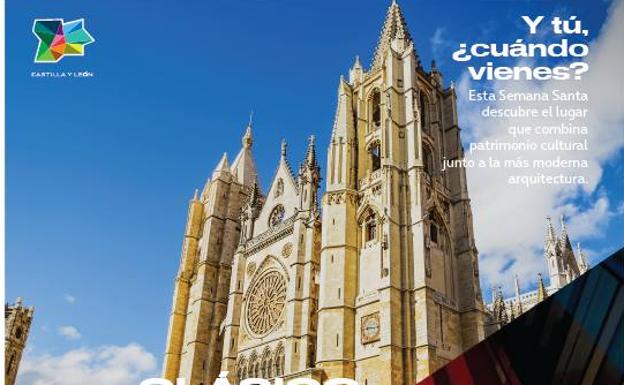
(266, 301)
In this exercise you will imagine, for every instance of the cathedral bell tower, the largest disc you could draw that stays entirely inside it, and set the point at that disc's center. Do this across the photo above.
(398, 260)
(201, 288)
(17, 320)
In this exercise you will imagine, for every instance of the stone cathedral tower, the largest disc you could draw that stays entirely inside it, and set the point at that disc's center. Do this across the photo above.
(202, 285)
(382, 288)
(17, 320)
(399, 282)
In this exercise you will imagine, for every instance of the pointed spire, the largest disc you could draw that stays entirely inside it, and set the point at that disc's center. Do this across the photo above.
(357, 63)
(394, 27)
(244, 167)
(583, 263)
(542, 294)
(223, 163)
(222, 166)
(550, 230)
(311, 153)
(499, 308)
(518, 307)
(564, 231)
(284, 159)
(195, 195)
(434, 66)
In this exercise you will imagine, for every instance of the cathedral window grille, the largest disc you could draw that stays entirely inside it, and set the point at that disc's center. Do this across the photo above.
(375, 155)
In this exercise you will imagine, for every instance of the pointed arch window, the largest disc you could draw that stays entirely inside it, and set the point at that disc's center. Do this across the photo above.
(433, 232)
(423, 107)
(375, 108)
(428, 161)
(266, 365)
(370, 227)
(240, 369)
(375, 156)
(280, 360)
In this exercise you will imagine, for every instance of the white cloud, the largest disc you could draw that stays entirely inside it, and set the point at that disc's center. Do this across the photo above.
(69, 332)
(105, 365)
(70, 299)
(509, 220)
(439, 43)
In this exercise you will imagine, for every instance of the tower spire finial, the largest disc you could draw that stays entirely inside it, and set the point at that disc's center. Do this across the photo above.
(247, 138)
(311, 155)
(283, 149)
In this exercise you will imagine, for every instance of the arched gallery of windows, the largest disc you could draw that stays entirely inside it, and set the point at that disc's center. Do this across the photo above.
(270, 364)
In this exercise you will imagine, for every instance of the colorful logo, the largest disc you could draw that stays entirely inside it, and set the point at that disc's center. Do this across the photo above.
(58, 39)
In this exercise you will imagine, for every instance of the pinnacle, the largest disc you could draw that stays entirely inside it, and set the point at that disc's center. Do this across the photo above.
(223, 164)
(357, 63)
(311, 154)
(542, 294)
(550, 230)
(283, 149)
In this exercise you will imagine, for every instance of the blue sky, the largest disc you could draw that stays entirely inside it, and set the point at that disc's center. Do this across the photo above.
(99, 171)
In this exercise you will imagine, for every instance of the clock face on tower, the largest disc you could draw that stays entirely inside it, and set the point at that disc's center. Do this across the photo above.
(370, 328)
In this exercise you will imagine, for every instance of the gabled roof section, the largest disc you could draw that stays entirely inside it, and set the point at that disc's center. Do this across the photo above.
(282, 191)
(394, 27)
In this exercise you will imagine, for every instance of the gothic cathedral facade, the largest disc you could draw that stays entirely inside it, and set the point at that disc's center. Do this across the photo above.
(378, 281)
